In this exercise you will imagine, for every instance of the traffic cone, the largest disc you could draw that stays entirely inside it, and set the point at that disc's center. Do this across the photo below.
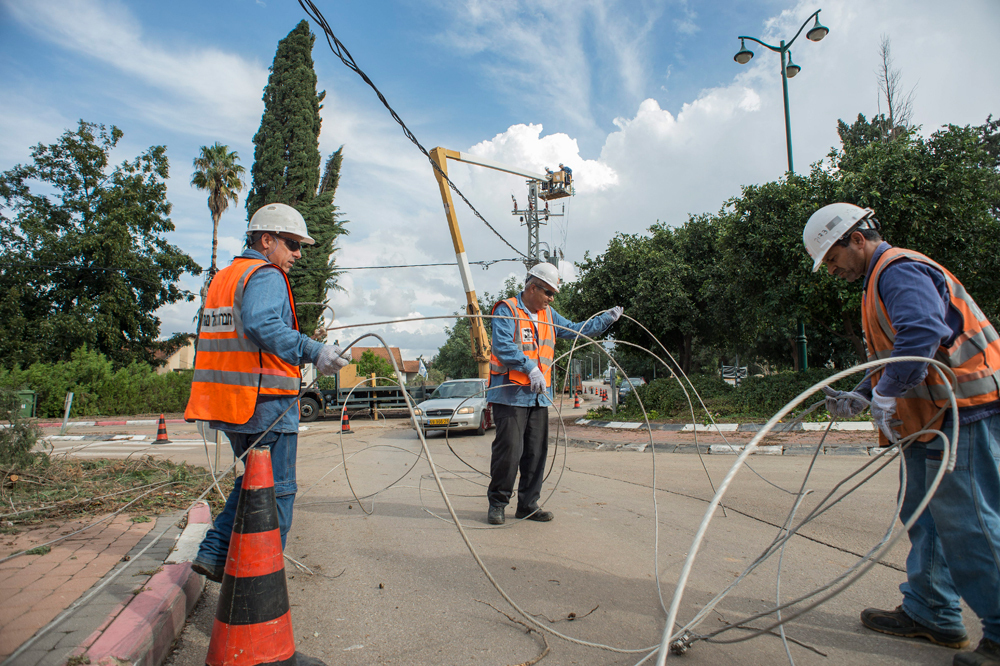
(345, 424)
(253, 622)
(576, 401)
(604, 397)
(161, 432)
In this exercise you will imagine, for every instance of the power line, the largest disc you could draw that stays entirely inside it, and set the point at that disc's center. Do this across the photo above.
(345, 57)
(485, 263)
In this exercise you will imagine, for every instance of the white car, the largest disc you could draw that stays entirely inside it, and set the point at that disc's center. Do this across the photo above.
(459, 404)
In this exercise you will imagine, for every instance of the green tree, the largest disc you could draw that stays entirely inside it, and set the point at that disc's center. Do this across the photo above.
(937, 195)
(218, 171)
(83, 259)
(370, 363)
(286, 168)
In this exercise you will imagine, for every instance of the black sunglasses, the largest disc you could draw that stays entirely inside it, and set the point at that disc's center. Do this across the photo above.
(292, 245)
(547, 292)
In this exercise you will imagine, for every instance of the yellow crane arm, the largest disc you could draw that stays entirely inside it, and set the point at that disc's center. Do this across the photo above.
(480, 341)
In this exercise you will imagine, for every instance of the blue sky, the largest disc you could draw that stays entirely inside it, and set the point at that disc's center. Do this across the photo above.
(641, 97)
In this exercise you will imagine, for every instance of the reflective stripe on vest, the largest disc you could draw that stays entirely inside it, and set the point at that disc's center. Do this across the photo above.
(974, 355)
(537, 341)
(230, 370)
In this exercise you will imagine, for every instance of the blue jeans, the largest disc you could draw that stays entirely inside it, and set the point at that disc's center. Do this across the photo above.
(955, 544)
(283, 446)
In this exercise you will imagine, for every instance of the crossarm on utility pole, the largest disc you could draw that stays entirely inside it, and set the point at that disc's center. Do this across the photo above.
(480, 341)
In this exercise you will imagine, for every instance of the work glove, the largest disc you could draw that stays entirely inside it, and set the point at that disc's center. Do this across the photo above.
(537, 380)
(844, 404)
(883, 410)
(616, 312)
(331, 359)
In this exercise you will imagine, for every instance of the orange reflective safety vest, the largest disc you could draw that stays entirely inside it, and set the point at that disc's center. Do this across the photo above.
(536, 342)
(974, 356)
(230, 370)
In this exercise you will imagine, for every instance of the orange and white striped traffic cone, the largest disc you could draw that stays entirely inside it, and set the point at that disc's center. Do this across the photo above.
(345, 424)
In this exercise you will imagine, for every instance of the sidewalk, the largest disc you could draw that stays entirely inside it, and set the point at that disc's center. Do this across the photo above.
(138, 600)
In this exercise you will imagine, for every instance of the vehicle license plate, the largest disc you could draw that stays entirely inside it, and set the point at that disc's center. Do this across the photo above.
(440, 421)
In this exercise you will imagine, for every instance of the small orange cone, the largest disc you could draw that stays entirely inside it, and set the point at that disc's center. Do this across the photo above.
(161, 432)
(345, 425)
(604, 397)
(576, 402)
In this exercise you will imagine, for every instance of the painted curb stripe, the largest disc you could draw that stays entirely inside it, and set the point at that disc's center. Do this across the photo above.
(259, 600)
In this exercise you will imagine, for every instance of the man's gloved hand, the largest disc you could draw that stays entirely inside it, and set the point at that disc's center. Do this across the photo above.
(844, 404)
(537, 380)
(616, 312)
(331, 359)
(883, 411)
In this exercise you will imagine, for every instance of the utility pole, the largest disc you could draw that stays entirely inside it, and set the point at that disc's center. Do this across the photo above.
(533, 218)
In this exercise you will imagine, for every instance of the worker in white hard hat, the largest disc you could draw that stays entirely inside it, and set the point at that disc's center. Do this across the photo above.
(524, 341)
(913, 306)
(246, 376)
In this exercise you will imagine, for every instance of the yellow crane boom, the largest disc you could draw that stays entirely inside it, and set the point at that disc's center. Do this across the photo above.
(554, 186)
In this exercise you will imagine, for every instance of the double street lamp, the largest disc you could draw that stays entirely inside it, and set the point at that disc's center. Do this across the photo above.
(788, 70)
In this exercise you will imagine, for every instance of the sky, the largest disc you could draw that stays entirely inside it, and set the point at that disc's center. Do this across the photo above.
(641, 98)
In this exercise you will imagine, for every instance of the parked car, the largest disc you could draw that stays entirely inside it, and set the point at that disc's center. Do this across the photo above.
(626, 387)
(459, 404)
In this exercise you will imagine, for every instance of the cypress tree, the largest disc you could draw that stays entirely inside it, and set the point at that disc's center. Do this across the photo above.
(286, 168)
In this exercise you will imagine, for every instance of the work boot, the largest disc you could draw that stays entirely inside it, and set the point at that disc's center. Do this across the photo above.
(213, 572)
(898, 623)
(534, 514)
(495, 516)
(987, 654)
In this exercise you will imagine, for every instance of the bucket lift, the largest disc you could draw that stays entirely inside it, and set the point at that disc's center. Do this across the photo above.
(547, 187)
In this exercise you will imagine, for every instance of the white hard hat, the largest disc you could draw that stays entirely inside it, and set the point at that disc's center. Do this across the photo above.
(547, 273)
(827, 226)
(280, 218)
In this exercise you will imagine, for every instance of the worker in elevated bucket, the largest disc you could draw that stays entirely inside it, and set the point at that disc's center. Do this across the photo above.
(912, 306)
(246, 372)
(523, 352)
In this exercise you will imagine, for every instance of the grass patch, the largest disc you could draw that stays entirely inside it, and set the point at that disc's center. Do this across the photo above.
(69, 488)
(41, 550)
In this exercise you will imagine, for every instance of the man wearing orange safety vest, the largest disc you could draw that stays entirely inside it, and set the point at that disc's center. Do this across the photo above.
(246, 375)
(524, 343)
(913, 306)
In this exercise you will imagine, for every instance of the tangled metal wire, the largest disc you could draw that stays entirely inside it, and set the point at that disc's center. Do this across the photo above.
(676, 638)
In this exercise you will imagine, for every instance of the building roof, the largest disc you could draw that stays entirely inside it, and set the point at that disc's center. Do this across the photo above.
(411, 366)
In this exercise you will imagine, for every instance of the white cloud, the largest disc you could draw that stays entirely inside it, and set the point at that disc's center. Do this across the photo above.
(208, 90)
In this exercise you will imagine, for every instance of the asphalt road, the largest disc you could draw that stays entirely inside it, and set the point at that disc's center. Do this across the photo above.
(393, 582)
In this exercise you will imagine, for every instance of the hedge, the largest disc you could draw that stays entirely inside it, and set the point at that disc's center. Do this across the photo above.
(99, 389)
(756, 397)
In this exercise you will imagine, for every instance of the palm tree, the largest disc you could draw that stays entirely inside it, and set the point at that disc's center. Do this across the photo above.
(218, 171)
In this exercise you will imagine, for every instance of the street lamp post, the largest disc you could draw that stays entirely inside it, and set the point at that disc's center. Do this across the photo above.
(788, 70)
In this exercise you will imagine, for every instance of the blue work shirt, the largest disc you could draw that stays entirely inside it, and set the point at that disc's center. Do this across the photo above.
(916, 297)
(269, 324)
(510, 354)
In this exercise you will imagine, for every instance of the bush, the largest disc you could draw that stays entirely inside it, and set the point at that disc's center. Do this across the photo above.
(98, 389)
(666, 397)
(17, 436)
(756, 397)
(763, 396)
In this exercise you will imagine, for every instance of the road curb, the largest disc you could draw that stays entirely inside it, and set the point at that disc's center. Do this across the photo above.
(728, 427)
(143, 631)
